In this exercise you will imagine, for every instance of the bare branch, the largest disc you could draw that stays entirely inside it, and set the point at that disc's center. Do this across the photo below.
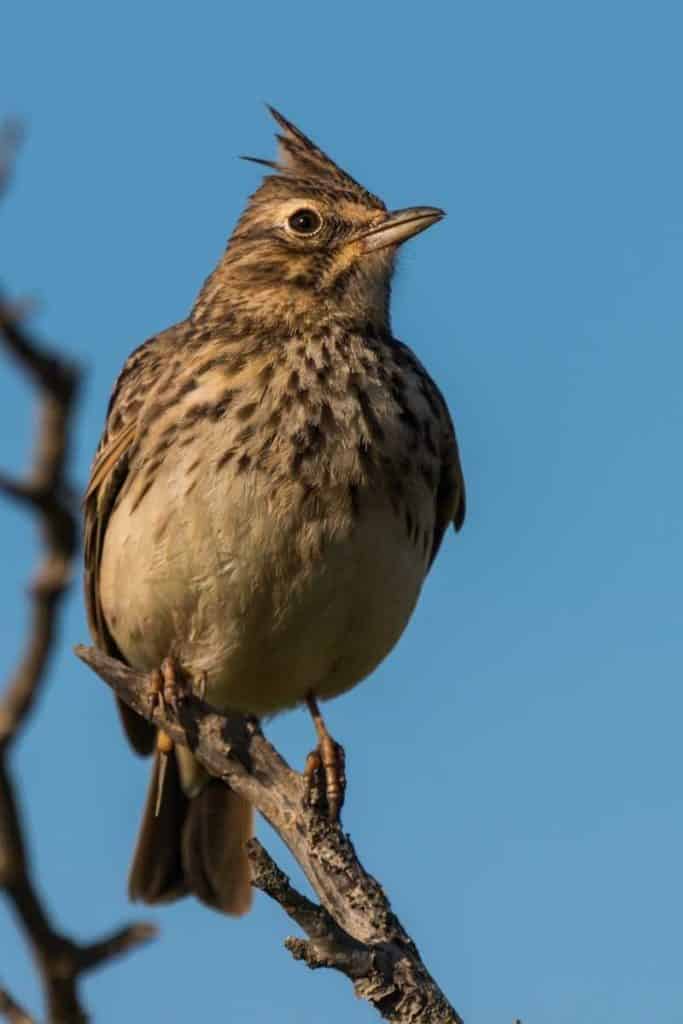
(47, 492)
(354, 930)
(11, 1010)
(330, 945)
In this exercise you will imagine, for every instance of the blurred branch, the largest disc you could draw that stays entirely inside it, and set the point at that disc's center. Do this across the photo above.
(11, 134)
(354, 929)
(45, 489)
(11, 1010)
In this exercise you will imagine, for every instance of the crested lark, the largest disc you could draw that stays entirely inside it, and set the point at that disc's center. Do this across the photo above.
(273, 483)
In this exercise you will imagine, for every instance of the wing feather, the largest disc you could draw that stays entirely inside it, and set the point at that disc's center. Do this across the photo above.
(450, 494)
(108, 475)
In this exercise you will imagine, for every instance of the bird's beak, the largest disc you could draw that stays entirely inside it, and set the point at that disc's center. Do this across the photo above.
(398, 226)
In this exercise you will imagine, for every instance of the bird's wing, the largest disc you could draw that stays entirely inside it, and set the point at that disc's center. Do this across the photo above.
(107, 477)
(109, 471)
(450, 494)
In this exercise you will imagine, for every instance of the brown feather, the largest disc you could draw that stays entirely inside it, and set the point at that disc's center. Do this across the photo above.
(156, 874)
(193, 845)
(299, 156)
(108, 474)
(108, 456)
(214, 856)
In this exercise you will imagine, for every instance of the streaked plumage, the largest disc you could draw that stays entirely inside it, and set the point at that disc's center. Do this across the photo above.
(274, 480)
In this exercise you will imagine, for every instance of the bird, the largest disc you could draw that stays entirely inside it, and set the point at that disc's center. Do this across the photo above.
(274, 480)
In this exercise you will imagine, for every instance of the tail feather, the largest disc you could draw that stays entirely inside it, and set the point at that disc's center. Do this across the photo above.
(156, 874)
(214, 856)
(195, 845)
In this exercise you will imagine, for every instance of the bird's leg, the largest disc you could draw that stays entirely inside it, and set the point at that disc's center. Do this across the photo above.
(168, 685)
(327, 759)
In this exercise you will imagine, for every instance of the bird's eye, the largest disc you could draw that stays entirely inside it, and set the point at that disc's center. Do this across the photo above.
(305, 221)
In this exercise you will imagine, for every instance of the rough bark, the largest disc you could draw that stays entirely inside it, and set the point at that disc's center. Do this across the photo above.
(354, 930)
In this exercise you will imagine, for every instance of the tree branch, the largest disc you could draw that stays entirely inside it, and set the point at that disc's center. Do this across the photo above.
(11, 1010)
(46, 490)
(355, 930)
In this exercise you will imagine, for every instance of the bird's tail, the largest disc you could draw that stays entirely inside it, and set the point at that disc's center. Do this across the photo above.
(192, 844)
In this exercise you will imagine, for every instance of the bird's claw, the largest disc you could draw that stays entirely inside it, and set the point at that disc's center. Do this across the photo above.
(170, 685)
(325, 777)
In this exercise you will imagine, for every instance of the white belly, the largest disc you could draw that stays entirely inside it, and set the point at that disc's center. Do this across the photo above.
(236, 584)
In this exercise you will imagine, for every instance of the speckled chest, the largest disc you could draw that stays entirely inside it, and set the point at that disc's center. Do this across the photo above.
(327, 415)
(276, 519)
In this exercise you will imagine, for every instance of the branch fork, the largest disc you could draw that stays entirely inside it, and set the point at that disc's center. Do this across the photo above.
(353, 929)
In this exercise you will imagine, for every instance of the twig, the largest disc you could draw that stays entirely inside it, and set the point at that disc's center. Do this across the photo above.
(355, 930)
(46, 490)
(369, 968)
(11, 1010)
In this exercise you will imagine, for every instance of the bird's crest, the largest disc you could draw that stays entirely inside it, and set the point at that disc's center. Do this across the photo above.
(298, 157)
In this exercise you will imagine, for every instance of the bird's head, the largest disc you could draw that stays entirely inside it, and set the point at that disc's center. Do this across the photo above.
(310, 240)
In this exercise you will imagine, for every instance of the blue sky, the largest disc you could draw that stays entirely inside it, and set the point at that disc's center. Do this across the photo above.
(515, 766)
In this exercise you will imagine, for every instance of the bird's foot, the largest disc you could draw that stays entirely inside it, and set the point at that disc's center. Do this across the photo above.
(325, 770)
(170, 685)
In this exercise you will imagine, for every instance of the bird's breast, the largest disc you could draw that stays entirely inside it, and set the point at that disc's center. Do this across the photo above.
(277, 543)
